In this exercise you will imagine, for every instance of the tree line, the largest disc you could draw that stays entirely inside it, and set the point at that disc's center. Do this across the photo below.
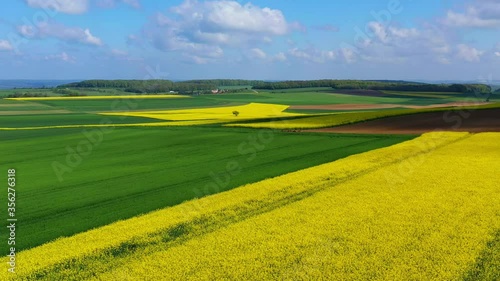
(144, 86)
(376, 85)
(202, 86)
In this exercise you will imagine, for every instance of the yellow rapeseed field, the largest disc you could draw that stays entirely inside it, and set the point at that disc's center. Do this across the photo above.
(419, 210)
(187, 117)
(322, 121)
(213, 115)
(343, 118)
(100, 97)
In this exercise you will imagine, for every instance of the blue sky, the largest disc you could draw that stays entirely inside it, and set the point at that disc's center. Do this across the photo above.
(273, 39)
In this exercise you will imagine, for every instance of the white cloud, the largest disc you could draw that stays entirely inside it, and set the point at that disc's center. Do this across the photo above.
(280, 57)
(61, 57)
(379, 30)
(257, 53)
(496, 50)
(59, 31)
(195, 59)
(468, 54)
(479, 14)
(5, 46)
(443, 60)
(201, 30)
(231, 16)
(312, 54)
(63, 6)
(88, 38)
(394, 44)
(348, 54)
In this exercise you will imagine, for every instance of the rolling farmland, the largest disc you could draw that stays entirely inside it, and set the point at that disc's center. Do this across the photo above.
(199, 182)
(399, 226)
(249, 140)
(108, 195)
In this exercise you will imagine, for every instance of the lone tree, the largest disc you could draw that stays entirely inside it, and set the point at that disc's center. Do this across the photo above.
(489, 96)
(236, 113)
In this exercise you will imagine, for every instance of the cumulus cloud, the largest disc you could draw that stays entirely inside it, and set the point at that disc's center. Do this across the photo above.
(231, 16)
(312, 54)
(257, 53)
(280, 57)
(394, 44)
(468, 54)
(201, 29)
(5, 46)
(61, 32)
(390, 43)
(61, 57)
(63, 6)
(348, 55)
(478, 14)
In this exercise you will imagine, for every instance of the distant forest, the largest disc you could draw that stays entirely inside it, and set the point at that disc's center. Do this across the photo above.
(201, 86)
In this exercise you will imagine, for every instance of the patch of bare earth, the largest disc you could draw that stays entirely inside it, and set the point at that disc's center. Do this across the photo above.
(483, 120)
(450, 104)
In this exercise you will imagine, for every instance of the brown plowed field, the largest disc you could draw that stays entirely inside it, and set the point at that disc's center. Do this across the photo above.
(484, 120)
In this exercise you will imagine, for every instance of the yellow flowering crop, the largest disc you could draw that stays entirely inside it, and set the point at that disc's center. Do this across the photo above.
(329, 120)
(100, 97)
(160, 244)
(188, 117)
(214, 115)
(337, 119)
(430, 224)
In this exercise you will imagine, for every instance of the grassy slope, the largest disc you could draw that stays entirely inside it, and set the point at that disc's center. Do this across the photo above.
(304, 98)
(20, 121)
(133, 171)
(12, 105)
(289, 97)
(229, 99)
(146, 104)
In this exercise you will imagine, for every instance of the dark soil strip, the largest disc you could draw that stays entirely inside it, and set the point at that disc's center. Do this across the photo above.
(484, 120)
